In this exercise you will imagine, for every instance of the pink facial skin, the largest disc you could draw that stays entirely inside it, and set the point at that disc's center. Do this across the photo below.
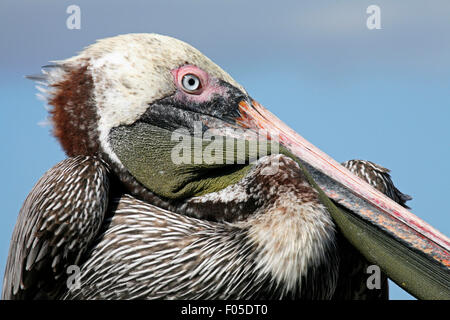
(209, 86)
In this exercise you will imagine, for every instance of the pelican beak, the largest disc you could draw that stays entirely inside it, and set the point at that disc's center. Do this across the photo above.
(411, 252)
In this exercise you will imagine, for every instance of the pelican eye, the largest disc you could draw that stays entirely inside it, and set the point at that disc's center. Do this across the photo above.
(191, 83)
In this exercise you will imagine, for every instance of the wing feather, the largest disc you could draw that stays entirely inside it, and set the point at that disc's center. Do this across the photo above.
(58, 220)
(353, 276)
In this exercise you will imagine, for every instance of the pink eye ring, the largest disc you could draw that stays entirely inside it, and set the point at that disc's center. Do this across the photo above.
(191, 79)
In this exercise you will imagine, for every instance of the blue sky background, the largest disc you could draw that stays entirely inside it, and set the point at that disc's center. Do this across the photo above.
(381, 95)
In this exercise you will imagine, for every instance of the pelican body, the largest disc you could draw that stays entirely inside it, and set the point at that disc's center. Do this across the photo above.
(124, 218)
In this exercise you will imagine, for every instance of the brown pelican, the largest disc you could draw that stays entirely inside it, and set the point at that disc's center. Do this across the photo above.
(122, 219)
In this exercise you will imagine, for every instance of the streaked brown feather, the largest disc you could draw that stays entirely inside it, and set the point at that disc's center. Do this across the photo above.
(353, 274)
(58, 220)
(145, 252)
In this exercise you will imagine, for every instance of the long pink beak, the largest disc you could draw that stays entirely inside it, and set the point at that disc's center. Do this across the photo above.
(426, 245)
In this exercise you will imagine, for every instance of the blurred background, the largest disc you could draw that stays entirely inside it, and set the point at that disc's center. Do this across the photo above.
(381, 95)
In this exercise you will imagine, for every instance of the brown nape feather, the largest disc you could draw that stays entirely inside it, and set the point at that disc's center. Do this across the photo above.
(74, 116)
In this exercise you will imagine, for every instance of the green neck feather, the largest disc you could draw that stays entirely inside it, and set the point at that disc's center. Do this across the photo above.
(148, 152)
